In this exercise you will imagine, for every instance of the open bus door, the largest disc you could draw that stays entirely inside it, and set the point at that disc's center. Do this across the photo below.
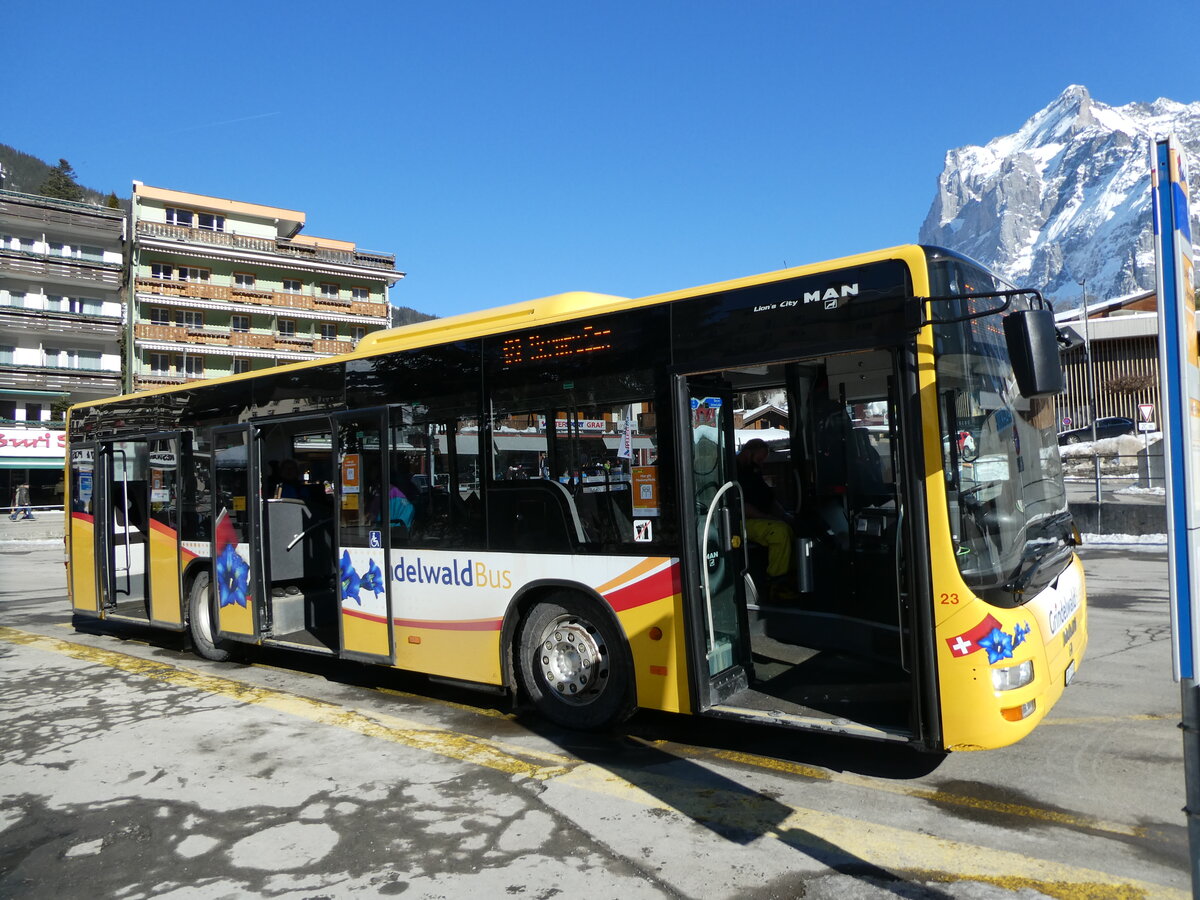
(122, 521)
(714, 509)
(83, 534)
(236, 593)
(829, 644)
(162, 502)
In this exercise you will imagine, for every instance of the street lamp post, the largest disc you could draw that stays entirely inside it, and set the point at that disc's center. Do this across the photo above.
(1091, 388)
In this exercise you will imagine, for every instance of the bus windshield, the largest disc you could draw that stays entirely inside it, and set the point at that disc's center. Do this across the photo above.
(1009, 520)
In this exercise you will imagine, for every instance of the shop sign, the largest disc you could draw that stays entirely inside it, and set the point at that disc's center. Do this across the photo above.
(26, 442)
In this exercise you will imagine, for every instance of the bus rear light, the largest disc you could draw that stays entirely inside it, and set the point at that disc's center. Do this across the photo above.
(1009, 678)
(1017, 713)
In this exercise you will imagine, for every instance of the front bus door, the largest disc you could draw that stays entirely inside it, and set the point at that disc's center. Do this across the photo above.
(716, 524)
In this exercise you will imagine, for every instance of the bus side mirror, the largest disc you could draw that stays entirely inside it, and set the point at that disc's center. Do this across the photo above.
(1033, 348)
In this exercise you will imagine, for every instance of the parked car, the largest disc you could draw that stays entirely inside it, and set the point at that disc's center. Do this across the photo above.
(1106, 427)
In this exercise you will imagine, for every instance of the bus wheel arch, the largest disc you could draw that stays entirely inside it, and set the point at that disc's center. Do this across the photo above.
(571, 659)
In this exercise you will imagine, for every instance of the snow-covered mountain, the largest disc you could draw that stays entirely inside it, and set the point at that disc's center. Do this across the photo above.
(1065, 198)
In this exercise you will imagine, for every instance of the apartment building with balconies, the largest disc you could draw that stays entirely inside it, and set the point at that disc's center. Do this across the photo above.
(61, 274)
(218, 287)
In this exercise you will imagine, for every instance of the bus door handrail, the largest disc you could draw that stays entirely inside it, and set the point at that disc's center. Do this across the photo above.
(128, 592)
(708, 615)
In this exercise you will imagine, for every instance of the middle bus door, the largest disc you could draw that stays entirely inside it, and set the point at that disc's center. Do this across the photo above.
(235, 570)
(162, 533)
(715, 511)
(362, 538)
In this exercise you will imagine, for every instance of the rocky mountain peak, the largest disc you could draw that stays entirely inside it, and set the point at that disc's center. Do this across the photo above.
(1064, 198)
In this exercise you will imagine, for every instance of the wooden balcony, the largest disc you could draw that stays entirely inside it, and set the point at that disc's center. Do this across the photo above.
(323, 346)
(246, 339)
(280, 246)
(199, 289)
(291, 342)
(161, 333)
(274, 299)
(207, 336)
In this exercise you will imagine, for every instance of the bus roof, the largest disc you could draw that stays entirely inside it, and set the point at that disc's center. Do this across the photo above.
(546, 310)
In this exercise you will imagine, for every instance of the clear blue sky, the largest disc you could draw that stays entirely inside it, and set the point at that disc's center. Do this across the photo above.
(511, 150)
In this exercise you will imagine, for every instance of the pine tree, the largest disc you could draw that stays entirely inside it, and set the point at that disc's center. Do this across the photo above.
(60, 183)
(112, 202)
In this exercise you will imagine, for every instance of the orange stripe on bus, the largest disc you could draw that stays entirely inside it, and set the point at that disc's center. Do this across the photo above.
(641, 568)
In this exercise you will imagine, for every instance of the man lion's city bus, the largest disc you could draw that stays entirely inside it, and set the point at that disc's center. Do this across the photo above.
(543, 499)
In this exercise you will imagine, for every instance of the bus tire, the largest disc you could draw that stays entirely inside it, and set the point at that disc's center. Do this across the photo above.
(574, 665)
(200, 621)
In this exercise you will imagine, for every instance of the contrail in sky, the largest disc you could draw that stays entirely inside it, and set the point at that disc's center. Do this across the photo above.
(228, 121)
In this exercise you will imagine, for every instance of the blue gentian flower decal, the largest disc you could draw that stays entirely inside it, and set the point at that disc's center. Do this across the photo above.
(1019, 633)
(373, 579)
(349, 579)
(998, 645)
(233, 578)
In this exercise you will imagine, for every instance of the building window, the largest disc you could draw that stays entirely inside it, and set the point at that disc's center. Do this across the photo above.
(330, 291)
(328, 331)
(160, 364)
(359, 333)
(243, 279)
(360, 293)
(80, 306)
(210, 221)
(192, 366)
(33, 412)
(160, 316)
(290, 286)
(7, 355)
(240, 366)
(191, 318)
(287, 328)
(161, 270)
(179, 216)
(191, 273)
(239, 323)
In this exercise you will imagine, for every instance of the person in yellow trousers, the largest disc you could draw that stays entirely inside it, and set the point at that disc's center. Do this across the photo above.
(767, 522)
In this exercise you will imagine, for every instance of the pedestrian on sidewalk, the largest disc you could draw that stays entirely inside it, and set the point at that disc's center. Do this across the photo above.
(20, 504)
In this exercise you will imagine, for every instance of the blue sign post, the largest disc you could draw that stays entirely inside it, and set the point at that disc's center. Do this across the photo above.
(1179, 363)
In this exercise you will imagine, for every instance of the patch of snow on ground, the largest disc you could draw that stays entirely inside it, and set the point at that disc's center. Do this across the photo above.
(1148, 491)
(1149, 541)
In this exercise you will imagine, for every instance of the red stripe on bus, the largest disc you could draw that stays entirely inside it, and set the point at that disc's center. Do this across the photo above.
(162, 529)
(664, 583)
(461, 625)
(84, 517)
(359, 614)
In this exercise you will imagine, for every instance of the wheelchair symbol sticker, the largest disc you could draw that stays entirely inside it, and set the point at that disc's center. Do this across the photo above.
(376, 539)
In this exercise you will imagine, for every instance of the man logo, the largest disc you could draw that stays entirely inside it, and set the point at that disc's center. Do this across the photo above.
(832, 298)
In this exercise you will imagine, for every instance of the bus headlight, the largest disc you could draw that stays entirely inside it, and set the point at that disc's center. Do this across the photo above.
(1009, 678)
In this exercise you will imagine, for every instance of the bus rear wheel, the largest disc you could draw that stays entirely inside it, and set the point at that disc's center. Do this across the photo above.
(200, 622)
(574, 666)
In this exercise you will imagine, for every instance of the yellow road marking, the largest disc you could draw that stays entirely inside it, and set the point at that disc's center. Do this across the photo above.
(874, 784)
(919, 855)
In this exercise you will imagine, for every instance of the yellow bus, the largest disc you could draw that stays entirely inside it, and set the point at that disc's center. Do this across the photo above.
(546, 499)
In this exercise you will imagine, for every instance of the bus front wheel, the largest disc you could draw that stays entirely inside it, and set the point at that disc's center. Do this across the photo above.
(574, 666)
(200, 622)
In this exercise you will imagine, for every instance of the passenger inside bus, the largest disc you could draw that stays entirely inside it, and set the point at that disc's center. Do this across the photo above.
(767, 522)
